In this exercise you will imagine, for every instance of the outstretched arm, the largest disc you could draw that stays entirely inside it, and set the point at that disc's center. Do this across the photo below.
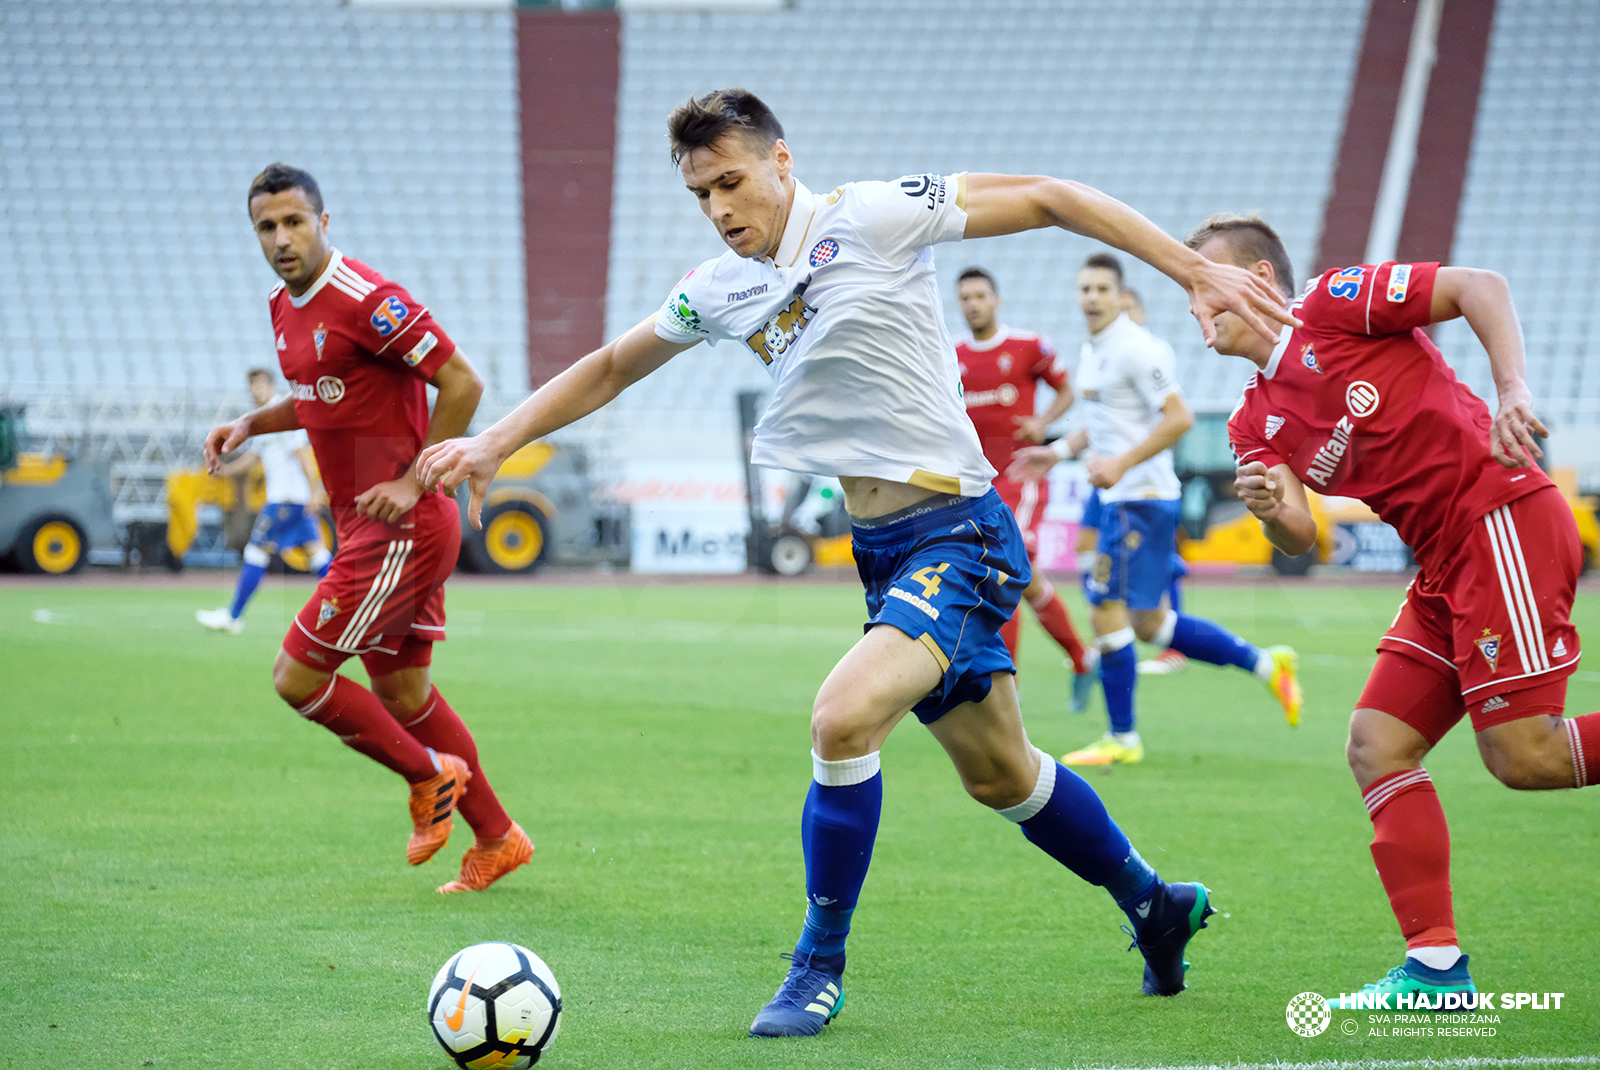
(575, 393)
(1278, 499)
(1008, 204)
(225, 438)
(1484, 298)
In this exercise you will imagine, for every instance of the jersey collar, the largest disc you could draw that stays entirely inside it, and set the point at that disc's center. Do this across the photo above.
(1111, 328)
(322, 280)
(801, 215)
(1000, 332)
(1278, 351)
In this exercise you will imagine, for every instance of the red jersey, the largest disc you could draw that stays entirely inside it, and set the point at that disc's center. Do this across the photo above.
(357, 351)
(1360, 402)
(999, 377)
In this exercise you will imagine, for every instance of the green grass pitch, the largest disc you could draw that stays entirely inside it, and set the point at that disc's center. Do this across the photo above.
(194, 877)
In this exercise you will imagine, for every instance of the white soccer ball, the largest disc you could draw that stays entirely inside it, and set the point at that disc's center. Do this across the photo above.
(495, 1006)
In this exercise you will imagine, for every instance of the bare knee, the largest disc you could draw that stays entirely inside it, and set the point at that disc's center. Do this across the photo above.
(1147, 623)
(838, 731)
(1528, 755)
(1000, 786)
(1381, 744)
(404, 691)
(295, 683)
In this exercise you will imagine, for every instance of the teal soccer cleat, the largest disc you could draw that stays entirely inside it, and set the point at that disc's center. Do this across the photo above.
(1177, 912)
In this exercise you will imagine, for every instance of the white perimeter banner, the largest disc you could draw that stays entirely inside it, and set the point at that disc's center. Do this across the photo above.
(688, 516)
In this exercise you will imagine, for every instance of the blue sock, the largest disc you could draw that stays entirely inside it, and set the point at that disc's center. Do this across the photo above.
(249, 577)
(837, 830)
(1206, 640)
(1119, 671)
(1071, 825)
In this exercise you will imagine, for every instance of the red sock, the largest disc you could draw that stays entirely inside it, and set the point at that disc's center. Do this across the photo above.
(1052, 613)
(439, 727)
(1011, 632)
(1584, 735)
(1412, 852)
(355, 715)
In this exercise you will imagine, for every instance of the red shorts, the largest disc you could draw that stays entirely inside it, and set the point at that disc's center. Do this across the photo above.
(1027, 502)
(1494, 619)
(383, 596)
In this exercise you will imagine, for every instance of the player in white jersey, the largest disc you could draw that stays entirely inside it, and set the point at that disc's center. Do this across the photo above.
(287, 520)
(835, 294)
(1134, 414)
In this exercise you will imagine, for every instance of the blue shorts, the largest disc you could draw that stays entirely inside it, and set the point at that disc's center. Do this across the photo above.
(1134, 562)
(284, 525)
(948, 578)
(1092, 509)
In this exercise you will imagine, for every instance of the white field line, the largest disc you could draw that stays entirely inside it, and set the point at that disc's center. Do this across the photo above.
(1468, 1063)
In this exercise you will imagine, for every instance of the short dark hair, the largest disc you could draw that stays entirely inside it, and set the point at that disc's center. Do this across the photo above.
(260, 373)
(1106, 262)
(978, 273)
(279, 177)
(700, 122)
(1250, 240)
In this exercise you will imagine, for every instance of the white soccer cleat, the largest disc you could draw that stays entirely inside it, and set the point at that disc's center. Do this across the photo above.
(219, 620)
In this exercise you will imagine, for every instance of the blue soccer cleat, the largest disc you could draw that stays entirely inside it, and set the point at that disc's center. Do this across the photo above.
(1176, 913)
(809, 998)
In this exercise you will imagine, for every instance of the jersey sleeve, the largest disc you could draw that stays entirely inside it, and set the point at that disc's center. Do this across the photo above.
(1370, 300)
(395, 326)
(1048, 367)
(685, 314)
(1154, 373)
(1247, 431)
(896, 219)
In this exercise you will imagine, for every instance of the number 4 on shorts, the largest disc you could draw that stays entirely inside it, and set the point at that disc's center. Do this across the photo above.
(929, 578)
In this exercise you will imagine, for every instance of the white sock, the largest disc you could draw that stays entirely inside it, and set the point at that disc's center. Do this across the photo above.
(1126, 739)
(1436, 958)
(1264, 665)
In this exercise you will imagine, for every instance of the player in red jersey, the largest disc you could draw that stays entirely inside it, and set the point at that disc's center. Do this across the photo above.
(1359, 402)
(357, 351)
(1001, 369)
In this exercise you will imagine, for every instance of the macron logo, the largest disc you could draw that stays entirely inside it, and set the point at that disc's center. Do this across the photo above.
(1274, 425)
(906, 596)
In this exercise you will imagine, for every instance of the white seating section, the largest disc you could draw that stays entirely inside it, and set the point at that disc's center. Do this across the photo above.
(129, 133)
(1532, 206)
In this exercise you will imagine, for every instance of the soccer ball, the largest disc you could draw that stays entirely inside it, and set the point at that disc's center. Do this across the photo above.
(495, 1006)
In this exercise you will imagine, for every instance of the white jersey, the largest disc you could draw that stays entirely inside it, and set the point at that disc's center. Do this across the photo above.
(1126, 374)
(847, 318)
(286, 479)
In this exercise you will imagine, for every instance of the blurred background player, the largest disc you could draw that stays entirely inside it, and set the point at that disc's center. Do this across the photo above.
(1485, 627)
(1135, 412)
(850, 326)
(1169, 660)
(1001, 368)
(289, 517)
(357, 351)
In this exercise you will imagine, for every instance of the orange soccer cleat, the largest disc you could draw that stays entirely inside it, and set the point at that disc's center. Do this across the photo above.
(482, 866)
(432, 803)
